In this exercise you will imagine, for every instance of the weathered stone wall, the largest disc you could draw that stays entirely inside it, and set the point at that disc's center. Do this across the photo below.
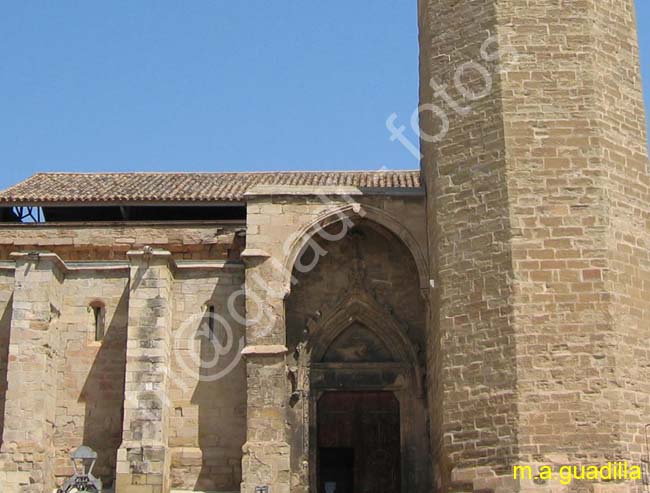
(539, 193)
(143, 460)
(6, 301)
(87, 384)
(90, 382)
(278, 224)
(473, 394)
(274, 221)
(208, 422)
(622, 133)
(190, 241)
(579, 189)
(27, 454)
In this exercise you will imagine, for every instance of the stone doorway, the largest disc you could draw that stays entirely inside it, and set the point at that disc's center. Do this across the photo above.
(356, 362)
(359, 445)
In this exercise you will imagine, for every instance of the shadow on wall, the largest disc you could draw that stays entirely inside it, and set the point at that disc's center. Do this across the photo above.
(103, 394)
(5, 329)
(221, 400)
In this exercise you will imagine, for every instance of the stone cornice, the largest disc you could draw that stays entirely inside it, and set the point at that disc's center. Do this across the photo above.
(208, 264)
(307, 190)
(254, 256)
(37, 256)
(264, 350)
(92, 265)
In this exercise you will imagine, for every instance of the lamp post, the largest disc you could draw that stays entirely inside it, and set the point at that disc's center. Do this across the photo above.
(83, 460)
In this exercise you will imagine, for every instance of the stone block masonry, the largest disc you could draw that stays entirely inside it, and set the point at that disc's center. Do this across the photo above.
(67, 388)
(6, 307)
(143, 462)
(506, 307)
(542, 314)
(27, 454)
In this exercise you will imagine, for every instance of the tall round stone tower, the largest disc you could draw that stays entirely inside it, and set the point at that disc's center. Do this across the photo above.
(535, 158)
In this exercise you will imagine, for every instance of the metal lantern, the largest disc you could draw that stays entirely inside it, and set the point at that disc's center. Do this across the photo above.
(83, 460)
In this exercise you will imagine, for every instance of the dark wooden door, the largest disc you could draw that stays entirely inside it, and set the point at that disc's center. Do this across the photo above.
(367, 424)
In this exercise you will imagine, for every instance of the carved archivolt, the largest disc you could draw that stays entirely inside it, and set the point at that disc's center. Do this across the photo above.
(354, 342)
(354, 212)
(357, 306)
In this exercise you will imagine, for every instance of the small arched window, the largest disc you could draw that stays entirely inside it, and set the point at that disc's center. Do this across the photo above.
(99, 320)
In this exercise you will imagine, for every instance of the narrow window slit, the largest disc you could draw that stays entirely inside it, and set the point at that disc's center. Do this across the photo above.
(99, 319)
(211, 322)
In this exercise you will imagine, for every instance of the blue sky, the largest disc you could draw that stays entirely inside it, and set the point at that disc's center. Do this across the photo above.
(208, 85)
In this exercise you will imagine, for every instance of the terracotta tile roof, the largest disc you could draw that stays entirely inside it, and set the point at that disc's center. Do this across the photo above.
(50, 188)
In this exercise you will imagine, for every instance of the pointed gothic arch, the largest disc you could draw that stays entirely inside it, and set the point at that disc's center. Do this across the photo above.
(349, 313)
(358, 306)
(352, 212)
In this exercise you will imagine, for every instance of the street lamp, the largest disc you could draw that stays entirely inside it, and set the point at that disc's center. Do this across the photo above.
(83, 460)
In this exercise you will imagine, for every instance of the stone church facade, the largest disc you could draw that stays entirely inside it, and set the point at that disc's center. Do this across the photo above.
(380, 331)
